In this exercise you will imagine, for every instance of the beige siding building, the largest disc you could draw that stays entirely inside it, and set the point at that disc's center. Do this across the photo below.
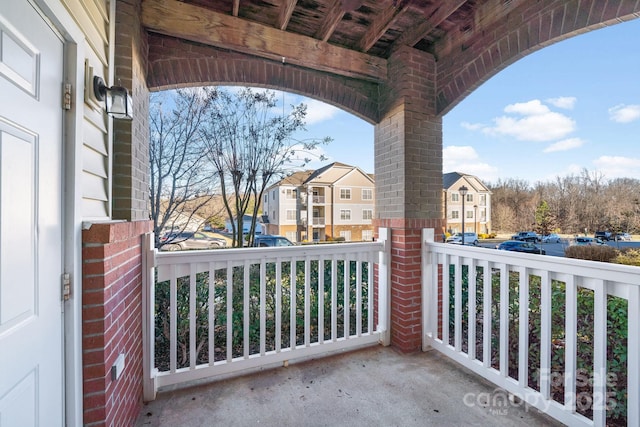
(477, 204)
(336, 201)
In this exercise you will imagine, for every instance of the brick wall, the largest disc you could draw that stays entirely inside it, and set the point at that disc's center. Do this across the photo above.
(112, 321)
(131, 138)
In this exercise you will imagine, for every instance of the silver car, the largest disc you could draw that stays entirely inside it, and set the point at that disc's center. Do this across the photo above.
(469, 239)
(190, 240)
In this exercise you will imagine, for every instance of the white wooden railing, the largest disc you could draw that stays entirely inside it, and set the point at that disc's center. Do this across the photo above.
(325, 291)
(481, 306)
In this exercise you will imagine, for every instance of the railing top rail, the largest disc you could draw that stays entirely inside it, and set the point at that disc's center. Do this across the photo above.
(267, 253)
(578, 267)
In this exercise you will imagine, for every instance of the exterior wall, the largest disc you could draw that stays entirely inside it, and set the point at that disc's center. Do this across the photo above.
(112, 321)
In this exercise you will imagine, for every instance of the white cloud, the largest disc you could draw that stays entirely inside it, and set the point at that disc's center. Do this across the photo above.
(530, 121)
(565, 145)
(624, 113)
(529, 108)
(465, 159)
(472, 126)
(566, 102)
(318, 111)
(618, 167)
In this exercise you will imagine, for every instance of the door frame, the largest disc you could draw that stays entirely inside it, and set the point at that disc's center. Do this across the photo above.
(74, 52)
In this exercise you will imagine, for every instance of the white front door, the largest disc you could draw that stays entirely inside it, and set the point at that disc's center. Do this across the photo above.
(31, 362)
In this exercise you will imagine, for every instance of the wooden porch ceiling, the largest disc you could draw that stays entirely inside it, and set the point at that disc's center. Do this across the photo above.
(351, 38)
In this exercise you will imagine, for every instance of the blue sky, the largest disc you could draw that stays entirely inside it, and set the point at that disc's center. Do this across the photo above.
(571, 106)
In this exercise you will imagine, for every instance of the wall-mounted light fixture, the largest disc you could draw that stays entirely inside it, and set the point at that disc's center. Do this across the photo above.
(118, 102)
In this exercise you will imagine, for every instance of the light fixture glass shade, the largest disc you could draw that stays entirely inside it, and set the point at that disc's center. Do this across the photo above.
(463, 190)
(118, 102)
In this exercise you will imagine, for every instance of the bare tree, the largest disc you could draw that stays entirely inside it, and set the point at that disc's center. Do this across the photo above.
(250, 144)
(181, 182)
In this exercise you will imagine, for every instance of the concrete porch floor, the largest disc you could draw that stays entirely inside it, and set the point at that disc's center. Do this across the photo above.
(376, 386)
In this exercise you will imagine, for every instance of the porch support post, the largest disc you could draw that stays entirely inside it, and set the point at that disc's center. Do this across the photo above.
(408, 170)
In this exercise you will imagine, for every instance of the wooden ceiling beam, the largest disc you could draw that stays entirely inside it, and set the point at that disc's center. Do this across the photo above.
(331, 21)
(435, 17)
(286, 10)
(198, 24)
(380, 25)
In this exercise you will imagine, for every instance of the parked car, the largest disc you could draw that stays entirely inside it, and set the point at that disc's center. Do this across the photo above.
(526, 236)
(623, 236)
(271, 240)
(190, 240)
(469, 239)
(603, 235)
(551, 238)
(588, 241)
(521, 246)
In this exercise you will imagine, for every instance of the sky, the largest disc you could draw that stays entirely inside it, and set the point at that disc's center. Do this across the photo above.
(566, 108)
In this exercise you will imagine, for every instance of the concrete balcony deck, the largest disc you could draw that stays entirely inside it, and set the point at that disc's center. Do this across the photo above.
(375, 386)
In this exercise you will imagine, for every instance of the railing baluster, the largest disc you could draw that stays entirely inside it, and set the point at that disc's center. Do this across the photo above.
(523, 329)
(445, 296)
(457, 307)
(321, 300)
(229, 311)
(471, 313)
(292, 309)
(600, 353)
(278, 305)
(334, 298)
(347, 296)
(358, 297)
(212, 313)
(263, 308)
(633, 358)
(370, 297)
(486, 314)
(246, 295)
(571, 343)
(192, 316)
(307, 301)
(173, 320)
(545, 335)
(504, 320)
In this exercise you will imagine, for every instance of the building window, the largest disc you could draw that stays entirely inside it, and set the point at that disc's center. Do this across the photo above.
(292, 193)
(367, 194)
(367, 235)
(455, 214)
(367, 214)
(483, 199)
(291, 214)
(469, 214)
(346, 235)
(291, 235)
(273, 194)
(345, 194)
(345, 214)
(266, 198)
(455, 197)
(483, 214)
(469, 197)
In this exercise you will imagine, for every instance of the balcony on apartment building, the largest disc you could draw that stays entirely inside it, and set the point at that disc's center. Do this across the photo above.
(299, 336)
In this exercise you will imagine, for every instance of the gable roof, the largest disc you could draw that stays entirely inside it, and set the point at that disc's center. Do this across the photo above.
(451, 178)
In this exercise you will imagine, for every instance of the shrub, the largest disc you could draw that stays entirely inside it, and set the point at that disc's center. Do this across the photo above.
(603, 253)
(628, 256)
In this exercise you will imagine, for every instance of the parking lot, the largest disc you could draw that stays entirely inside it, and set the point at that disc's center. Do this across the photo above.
(557, 249)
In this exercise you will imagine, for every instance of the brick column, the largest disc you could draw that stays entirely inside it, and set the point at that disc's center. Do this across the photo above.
(408, 170)
(112, 321)
(131, 138)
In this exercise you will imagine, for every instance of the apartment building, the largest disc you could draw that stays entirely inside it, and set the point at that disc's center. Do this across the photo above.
(477, 203)
(336, 201)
